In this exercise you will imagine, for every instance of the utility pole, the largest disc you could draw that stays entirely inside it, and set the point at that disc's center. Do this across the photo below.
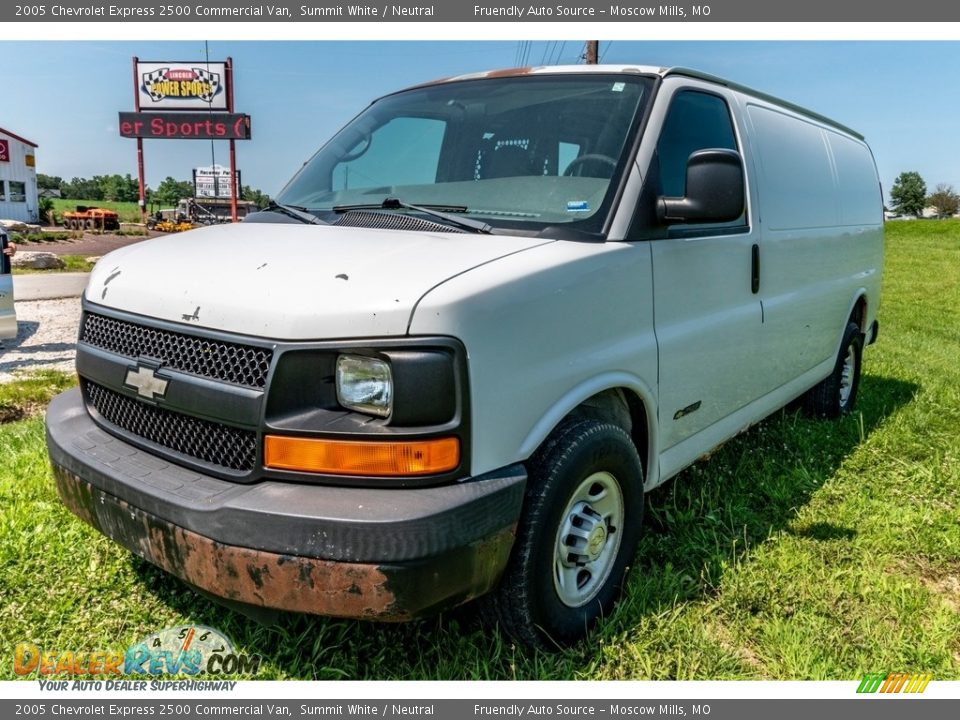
(592, 51)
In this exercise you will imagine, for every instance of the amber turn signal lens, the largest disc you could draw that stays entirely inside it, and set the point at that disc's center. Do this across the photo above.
(342, 457)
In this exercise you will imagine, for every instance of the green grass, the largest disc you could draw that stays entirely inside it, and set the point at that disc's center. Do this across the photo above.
(800, 549)
(43, 237)
(128, 211)
(71, 263)
(59, 236)
(29, 396)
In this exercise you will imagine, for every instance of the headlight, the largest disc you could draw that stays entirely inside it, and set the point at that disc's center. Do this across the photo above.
(364, 384)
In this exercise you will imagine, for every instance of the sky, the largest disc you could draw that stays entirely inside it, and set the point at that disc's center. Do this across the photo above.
(65, 96)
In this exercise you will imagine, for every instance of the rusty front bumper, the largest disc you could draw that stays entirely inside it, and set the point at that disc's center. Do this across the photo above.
(378, 554)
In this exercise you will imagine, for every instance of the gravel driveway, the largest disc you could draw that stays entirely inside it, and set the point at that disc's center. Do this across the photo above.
(47, 329)
(46, 338)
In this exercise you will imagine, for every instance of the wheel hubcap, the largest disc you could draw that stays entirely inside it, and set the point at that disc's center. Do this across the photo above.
(588, 539)
(846, 375)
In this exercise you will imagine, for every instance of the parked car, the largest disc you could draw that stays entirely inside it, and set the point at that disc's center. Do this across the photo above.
(472, 331)
(8, 314)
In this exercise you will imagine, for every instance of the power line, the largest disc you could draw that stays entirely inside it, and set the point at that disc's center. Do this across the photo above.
(213, 155)
(525, 56)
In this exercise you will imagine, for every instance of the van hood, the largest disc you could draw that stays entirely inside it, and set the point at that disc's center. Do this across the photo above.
(290, 282)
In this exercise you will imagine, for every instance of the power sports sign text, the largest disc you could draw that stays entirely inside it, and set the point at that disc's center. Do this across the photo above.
(185, 126)
(182, 85)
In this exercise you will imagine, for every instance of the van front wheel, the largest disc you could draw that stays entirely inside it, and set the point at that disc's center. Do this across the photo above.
(577, 535)
(836, 395)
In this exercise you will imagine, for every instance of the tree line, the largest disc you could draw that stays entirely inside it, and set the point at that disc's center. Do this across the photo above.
(124, 188)
(909, 196)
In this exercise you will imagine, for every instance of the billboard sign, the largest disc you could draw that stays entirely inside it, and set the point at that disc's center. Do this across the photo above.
(212, 181)
(196, 85)
(185, 126)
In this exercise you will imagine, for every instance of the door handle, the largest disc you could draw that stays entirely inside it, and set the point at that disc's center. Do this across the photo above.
(755, 269)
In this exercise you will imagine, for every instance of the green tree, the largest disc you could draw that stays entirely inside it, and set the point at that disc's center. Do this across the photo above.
(45, 208)
(82, 189)
(49, 182)
(170, 191)
(909, 194)
(945, 200)
(118, 187)
(257, 196)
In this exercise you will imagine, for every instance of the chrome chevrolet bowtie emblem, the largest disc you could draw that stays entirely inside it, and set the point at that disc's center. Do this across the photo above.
(147, 383)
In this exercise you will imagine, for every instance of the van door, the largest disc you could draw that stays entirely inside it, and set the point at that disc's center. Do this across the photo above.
(707, 314)
(821, 211)
(8, 316)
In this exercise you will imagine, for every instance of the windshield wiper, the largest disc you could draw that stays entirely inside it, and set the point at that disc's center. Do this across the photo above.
(297, 213)
(434, 211)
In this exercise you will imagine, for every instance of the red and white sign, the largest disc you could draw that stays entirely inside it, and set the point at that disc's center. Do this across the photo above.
(194, 85)
(4, 151)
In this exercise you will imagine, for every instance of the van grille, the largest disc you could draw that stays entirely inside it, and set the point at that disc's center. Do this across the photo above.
(211, 442)
(230, 362)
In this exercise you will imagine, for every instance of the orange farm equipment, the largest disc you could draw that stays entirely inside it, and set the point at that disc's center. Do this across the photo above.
(91, 218)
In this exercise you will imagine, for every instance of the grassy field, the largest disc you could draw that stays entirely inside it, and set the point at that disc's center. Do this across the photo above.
(128, 211)
(801, 549)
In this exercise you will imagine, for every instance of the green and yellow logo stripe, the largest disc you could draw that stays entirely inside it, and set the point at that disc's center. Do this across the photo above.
(898, 682)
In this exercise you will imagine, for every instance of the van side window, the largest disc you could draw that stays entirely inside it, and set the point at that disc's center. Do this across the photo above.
(695, 121)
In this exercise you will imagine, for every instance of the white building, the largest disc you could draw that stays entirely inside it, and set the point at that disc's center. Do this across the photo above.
(18, 178)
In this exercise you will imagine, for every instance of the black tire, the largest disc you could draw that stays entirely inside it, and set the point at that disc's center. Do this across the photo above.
(582, 456)
(837, 394)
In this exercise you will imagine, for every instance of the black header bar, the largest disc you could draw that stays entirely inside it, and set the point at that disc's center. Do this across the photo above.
(565, 11)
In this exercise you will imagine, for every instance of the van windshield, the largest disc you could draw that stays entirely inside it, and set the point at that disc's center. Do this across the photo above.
(519, 153)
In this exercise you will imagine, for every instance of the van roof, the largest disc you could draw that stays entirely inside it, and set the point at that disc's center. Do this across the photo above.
(650, 70)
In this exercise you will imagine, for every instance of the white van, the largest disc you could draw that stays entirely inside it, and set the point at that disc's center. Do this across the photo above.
(473, 330)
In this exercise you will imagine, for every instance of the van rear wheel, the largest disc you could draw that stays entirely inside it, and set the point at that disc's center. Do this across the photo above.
(837, 394)
(577, 535)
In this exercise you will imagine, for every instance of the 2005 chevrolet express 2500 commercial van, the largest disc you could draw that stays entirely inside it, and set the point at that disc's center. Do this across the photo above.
(474, 328)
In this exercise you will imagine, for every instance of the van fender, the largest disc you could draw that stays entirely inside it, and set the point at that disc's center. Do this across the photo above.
(574, 397)
(860, 294)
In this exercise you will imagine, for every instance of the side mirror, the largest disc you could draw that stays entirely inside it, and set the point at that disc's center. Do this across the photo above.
(714, 190)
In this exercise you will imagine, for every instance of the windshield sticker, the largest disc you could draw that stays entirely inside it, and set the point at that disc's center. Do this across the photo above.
(618, 87)
(578, 206)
